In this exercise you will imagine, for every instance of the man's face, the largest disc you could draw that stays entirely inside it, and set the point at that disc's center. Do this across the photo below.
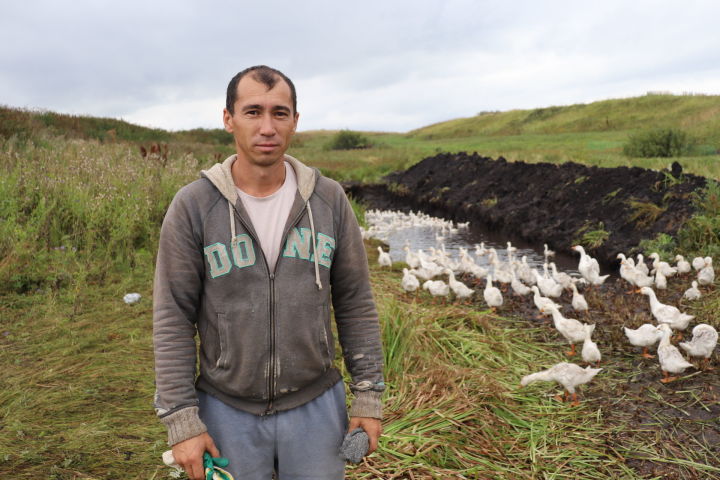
(263, 122)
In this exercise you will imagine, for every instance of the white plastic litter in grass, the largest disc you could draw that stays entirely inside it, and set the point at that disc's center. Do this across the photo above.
(131, 298)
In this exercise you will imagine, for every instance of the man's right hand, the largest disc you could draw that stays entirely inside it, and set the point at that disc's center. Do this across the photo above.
(189, 454)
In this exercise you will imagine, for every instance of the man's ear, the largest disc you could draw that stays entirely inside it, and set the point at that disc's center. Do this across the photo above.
(227, 119)
(295, 124)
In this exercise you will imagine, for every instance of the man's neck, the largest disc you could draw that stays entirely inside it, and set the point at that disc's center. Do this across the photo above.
(256, 180)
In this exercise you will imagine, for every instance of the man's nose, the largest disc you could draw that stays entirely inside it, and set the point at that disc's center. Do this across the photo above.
(267, 128)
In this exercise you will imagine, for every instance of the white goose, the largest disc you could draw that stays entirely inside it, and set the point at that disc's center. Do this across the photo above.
(660, 280)
(645, 336)
(409, 282)
(500, 271)
(547, 285)
(492, 295)
(703, 342)
(384, 258)
(547, 252)
(468, 265)
(590, 352)
(561, 277)
(572, 330)
(666, 313)
(663, 267)
(411, 258)
(524, 272)
(566, 374)
(671, 361)
(636, 277)
(542, 303)
(706, 275)
(518, 287)
(692, 293)
(641, 265)
(428, 269)
(589, 267)
(579, 303)
(682, 265)
(460, 290)
(626, 269)
(698, 263)
(437, 288)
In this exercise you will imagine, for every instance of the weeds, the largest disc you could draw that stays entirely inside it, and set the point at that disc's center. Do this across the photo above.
(663, 244)
(489, 202)
(580, 179)
(610, 196)
(359, 211)
(644, 214)
(591, 235)
(398, 189)
(700, 235)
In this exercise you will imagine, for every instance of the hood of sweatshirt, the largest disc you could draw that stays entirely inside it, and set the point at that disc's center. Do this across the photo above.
(221, 177)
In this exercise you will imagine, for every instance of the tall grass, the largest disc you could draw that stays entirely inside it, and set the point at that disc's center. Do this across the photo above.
(70, 205)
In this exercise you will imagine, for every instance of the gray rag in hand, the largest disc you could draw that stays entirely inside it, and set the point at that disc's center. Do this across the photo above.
(355, 446)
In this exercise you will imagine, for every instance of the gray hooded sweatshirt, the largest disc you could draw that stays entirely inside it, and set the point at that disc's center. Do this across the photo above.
(266, 342)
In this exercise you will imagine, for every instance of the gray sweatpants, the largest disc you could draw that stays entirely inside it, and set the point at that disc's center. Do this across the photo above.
(301, 443)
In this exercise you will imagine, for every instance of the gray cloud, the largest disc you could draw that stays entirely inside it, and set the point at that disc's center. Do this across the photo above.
(375, 66)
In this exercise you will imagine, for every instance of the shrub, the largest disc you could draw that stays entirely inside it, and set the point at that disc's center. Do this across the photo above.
(700, 235)
(661, 142)
(664, 245)
(348, 140)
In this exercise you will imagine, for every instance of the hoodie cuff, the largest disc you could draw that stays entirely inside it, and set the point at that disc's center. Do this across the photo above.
(183, 424)
(367, 404)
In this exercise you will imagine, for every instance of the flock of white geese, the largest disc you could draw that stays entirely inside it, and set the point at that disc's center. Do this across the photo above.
(435, 266)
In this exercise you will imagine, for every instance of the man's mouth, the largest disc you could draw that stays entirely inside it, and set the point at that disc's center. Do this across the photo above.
(266, 146)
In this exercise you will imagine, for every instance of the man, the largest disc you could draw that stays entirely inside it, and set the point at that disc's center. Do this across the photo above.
(250, 257)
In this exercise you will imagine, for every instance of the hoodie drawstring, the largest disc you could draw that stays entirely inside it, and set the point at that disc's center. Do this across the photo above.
(315, 254)
(232, 225)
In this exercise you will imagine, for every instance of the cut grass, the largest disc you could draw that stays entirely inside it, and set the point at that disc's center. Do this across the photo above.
(78, 386)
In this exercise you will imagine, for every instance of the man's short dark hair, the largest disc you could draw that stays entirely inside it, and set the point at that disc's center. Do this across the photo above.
(262, 73)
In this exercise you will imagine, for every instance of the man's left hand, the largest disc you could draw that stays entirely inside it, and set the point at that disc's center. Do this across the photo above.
(372, 426)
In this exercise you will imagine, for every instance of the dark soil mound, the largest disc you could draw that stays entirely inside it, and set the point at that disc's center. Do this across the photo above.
(560, 205)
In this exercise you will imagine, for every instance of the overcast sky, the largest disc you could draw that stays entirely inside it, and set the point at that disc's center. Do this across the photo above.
(389, 65)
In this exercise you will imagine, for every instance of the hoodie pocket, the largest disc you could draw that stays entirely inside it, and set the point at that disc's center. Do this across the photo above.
(222, 331)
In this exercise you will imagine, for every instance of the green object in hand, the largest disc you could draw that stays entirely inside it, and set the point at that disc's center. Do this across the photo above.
(213, 467)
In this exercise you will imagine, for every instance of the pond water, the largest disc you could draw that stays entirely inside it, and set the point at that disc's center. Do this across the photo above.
(421, 231)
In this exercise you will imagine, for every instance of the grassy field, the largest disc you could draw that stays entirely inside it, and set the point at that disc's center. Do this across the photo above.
(80, 211)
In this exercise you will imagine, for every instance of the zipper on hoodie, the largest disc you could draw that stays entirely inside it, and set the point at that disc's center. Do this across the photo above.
(271, 378)
(271, 276)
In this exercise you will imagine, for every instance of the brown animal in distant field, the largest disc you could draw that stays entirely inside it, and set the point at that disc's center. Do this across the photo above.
(158, 152)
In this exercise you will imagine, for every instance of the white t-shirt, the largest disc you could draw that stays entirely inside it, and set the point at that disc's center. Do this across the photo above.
(269, 214)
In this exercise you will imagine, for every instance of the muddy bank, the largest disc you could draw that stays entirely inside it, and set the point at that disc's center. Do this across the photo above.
(560, 205)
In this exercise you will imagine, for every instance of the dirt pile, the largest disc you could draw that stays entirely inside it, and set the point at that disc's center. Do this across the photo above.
(608, 210)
